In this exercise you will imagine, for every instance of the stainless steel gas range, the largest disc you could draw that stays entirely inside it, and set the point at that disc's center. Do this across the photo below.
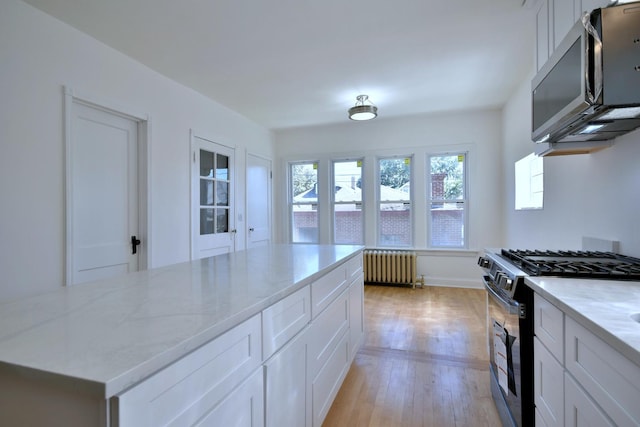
(510, 315)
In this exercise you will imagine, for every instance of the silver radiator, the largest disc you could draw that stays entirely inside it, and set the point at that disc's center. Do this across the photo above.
(390, 266)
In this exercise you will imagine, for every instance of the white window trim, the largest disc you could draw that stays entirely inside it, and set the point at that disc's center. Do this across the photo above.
(465, 199)
(333, 195)
(411, 200)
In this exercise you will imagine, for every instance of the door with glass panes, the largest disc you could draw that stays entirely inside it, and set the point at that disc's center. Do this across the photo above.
(213, 230)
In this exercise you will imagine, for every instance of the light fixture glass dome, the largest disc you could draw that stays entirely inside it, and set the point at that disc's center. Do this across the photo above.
(363, 110)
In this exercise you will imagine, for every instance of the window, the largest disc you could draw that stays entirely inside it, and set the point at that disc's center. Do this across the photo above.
(348, 218)
(394, 213)
(214, 193)
(447, 200)
(304, 202)
(529, 175)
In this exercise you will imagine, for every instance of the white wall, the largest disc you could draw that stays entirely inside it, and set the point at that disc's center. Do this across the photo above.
(38, 56)
(478, 132)
(594, 195)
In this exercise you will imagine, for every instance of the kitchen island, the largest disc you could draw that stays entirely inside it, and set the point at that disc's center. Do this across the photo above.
(586, 351)
(88, 346)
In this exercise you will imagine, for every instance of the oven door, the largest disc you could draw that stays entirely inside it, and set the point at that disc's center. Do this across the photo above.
(504, 350)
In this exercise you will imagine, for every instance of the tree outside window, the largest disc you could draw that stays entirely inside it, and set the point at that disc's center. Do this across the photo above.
(447, 200)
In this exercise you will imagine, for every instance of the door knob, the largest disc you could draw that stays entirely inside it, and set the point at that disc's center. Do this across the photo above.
(134, 244)
(252, 229)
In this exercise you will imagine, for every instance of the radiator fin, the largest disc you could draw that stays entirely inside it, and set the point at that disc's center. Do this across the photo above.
(390, 266)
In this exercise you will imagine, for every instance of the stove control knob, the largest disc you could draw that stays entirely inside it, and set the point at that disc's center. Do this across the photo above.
(509, 284)
(499, 279)
(483, 262)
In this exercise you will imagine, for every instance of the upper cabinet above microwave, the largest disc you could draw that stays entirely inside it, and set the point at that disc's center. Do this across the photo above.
(554, 19)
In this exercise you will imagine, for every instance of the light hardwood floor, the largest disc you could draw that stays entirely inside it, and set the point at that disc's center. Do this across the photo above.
(423, 363)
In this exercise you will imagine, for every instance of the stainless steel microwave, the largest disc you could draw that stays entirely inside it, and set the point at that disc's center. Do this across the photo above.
(589, 90)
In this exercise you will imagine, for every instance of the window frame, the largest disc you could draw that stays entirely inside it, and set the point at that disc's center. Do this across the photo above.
(292, 203)
(333, 202)
(430, 200)
(379, 201)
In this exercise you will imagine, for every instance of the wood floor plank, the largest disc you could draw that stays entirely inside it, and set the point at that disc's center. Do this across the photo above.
(424, 362)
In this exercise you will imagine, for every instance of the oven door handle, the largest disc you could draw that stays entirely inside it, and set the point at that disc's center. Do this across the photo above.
(512, 307)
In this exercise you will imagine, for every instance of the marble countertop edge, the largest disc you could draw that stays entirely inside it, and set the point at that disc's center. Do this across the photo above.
(613, 325)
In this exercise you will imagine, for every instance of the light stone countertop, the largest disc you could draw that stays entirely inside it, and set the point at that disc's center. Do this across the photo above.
(105, 336)
(602, 306)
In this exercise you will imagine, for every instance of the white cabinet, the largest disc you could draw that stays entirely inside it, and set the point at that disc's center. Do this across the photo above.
(326, 383)
(543, 48)
(303, 377)
(287, 391)
(554, 19)
(189, 390)
(243, 407)
(612, 380)
(547, 383)
(549, 326)
(601, 387)
(356, 314)
(563, 20)
(548, 360)
(284, 319)
(580, 410)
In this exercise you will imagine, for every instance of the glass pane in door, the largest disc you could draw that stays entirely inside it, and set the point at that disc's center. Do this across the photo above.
(222, 220)
(206, 192)
(222, 167)
(206, 221)
(206, 163)
(222, 193)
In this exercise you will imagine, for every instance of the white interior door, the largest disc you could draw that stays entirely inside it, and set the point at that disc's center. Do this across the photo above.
(258, 201)
(212, 195)
(103, 199)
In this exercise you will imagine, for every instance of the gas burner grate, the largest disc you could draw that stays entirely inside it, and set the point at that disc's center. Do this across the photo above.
(586, 264)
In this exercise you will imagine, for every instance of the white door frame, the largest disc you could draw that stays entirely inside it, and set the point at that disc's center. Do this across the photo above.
(194, 225)
(144, 173)
(269, 199)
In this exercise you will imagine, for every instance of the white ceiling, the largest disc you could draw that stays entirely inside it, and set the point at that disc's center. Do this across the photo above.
(289, 63)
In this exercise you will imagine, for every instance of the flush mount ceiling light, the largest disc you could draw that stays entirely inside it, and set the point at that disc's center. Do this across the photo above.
(363, 110)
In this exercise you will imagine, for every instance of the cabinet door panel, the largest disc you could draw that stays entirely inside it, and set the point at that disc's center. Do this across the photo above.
(580, 410)
(609, 377)
(284, 319)
(563, 20)
(326, 330)
(549, 326)
(549, 390)
(287, 392)
(327, 288)
(244, 407)
(186, 389)
(543, 50)
(326, 384)
(356, 315)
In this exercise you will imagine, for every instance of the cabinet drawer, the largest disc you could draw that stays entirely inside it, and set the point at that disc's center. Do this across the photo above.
(549, 391)
(244, 406)
(284, 319)
(192, 386)
(611, 379)
(549, 326)
(580, 410)
(327, 288)
(354, 267)
(326, 330)
(327, 382)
